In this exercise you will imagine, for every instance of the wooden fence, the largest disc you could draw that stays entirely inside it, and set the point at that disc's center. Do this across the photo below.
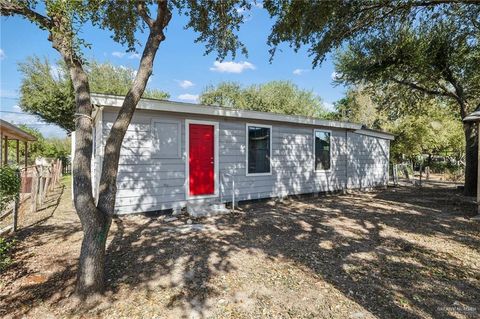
(37, 182)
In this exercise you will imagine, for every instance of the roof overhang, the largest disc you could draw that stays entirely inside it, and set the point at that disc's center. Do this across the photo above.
(14, 132)
(208, 110)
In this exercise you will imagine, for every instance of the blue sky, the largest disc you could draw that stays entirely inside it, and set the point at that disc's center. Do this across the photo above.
(180, 68)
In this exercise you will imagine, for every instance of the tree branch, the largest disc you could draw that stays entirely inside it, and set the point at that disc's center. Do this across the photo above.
(8, 8)
(459, 91)
(423, 89)
(108, 180)
(142, 11)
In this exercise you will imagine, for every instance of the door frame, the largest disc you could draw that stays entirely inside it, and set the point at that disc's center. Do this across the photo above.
(216, 151)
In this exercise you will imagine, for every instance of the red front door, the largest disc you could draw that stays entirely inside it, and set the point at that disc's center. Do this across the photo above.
(201, 159)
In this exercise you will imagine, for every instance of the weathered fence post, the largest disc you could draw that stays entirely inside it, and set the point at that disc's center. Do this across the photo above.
(395, 174)
(34, 190)
(17, 205)
(420, 175)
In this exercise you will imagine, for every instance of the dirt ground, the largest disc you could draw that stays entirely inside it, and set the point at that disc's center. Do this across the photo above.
(403, 252)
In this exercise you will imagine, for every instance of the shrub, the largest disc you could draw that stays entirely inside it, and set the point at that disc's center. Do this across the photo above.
(5, 247)
(9, 185)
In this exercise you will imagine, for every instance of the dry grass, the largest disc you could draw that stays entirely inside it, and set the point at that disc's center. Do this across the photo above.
(397, 253)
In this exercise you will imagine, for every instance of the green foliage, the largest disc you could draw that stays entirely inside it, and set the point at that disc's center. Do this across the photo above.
(434, 131)
(6, 245)
(276, 96)
(117, 80)
(425, 126)
(52, 148)
(47, 91)
(326, 25)
(9, 185)
(440, 60)
(358, 106)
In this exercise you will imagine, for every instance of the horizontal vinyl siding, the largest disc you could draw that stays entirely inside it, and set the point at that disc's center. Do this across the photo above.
(368, 159)
(292, 164)
(148, 182)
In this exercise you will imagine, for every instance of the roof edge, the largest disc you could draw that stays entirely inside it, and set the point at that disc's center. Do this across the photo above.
(201, 109)
(16, 132)
(375, 133)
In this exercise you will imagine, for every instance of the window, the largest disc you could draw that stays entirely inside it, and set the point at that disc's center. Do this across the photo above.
(322, 150)
(166, 139)
(259, 141)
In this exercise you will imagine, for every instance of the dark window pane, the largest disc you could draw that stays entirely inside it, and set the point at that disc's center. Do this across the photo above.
(258, 150)
(322, 150)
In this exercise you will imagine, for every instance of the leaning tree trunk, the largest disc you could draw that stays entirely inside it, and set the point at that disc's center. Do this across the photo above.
(471, 160)
(91, 275)
(95, 225)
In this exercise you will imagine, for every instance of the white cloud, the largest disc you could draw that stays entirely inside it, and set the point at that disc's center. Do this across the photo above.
(299, 71)
(134, 56)
(185, 84)
(2, 54)
(188, 97)
(231, 67)
(16, 107)
(336, 75)
(118, 54)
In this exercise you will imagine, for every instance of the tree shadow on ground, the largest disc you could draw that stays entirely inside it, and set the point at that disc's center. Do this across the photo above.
(394, 253)
(363, 245)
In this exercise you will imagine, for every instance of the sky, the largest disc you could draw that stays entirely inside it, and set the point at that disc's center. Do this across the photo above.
(180, 67)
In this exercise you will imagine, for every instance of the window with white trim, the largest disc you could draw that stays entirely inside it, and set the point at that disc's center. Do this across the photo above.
(259, 144)
(322, 150)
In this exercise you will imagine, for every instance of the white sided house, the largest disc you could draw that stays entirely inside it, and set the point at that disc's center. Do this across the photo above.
(177, 155)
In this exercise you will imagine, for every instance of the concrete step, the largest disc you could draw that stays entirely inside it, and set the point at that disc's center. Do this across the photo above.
(201, 210)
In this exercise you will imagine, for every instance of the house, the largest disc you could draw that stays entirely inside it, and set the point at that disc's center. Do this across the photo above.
(179, 154)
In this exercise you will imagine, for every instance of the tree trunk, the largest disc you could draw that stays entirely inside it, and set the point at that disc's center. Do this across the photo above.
(471, 161)
(91, 266)
(108, 179)
(95, 224)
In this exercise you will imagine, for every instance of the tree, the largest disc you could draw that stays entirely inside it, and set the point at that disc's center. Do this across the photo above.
(327, 25)
(324, 26)
(420, 125)
(433, 131)
(276, 96)
(358, 107)
(46, 89)
(215, 23)
(440, 61)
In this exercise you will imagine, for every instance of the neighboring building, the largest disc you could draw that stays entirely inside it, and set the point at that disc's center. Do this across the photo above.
(10, 132)
(176, 154)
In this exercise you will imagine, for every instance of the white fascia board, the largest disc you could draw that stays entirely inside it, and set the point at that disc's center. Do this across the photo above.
(378, 134)
(198, 109)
